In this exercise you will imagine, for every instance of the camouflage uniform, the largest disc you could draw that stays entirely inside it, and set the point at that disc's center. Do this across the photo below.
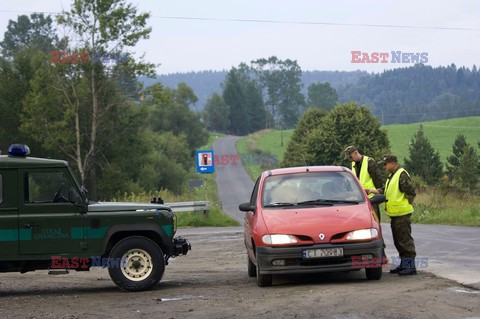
(401, 225)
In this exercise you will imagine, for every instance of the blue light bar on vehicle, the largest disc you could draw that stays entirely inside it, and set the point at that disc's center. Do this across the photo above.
(18, 150)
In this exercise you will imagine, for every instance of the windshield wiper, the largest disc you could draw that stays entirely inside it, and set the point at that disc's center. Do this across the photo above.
(316, 202)
(279, 204)
(327, 202)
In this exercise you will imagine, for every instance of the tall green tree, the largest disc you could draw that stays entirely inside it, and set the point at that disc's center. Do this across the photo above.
(85, 90)
(170, 112)
(344, 125)
(281, 83)
(217, 114)
(297, 146)
(234, 97)
(322, 95)
(453, 161)
(468, 171)
(423, 160)
(24, 45)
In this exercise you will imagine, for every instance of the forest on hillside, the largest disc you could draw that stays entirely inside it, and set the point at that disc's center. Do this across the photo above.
(405, 95)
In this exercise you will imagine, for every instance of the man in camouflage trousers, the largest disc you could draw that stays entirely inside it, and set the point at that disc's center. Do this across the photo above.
(400, 194)
(367, 171)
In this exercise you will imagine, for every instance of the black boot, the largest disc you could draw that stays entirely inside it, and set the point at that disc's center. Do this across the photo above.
(409, 269)
(399, 268)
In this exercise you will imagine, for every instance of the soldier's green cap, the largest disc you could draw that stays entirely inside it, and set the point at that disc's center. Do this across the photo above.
(388, 158)
(348, 152)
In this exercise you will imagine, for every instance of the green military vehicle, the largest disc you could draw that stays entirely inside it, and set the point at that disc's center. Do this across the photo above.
(47, 222)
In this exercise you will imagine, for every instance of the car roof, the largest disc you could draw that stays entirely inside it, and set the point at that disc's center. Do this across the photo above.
(304, 169)
(7, 161)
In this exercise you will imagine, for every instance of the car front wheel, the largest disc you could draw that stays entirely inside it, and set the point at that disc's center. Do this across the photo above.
(373, 273)
(252, 269)
(141, 264)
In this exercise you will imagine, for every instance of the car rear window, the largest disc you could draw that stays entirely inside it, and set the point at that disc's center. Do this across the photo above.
(300, 187)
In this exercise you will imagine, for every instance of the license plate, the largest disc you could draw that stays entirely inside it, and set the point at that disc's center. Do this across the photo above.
(322, 253)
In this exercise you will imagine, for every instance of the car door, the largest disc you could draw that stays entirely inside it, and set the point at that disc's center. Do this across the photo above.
(249, 216)
(9, 234)
(51, 224)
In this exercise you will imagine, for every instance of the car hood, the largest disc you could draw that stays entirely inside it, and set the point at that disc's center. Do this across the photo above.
(117, 206)
(311, 222)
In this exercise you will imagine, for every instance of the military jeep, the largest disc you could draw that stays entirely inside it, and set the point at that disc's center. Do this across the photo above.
(47, 222)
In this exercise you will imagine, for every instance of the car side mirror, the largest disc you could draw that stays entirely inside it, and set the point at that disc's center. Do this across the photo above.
(246, 207)
(74, 197)
(378, 199)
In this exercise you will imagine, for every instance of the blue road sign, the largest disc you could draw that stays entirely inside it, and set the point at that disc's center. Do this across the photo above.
(205, 162)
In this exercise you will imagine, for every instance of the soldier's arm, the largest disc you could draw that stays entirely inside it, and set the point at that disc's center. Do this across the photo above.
(406, 186)
(375, 173)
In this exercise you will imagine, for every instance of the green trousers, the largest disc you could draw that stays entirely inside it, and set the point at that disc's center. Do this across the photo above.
(402, 236)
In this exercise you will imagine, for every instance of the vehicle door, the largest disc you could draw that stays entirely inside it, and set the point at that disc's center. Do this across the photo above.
(249, 222)
(52, 224)
(9, 234)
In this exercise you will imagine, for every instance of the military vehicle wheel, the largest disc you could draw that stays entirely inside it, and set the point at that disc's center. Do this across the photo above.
(142, 263)
(252, 269)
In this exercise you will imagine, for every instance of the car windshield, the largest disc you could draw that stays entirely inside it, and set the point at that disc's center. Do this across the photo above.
(311, 188)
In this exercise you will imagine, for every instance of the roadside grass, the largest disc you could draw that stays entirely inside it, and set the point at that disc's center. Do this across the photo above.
(207, 192)
(267, 144)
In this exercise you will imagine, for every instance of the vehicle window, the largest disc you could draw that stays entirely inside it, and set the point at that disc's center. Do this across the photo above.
(48, 187)
(295, 188)
(1, 189)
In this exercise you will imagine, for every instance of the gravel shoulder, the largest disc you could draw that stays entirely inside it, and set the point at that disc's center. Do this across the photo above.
(212, 282)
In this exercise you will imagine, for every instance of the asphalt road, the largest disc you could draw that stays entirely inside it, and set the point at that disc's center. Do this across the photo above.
(233, 183)
(453, 252)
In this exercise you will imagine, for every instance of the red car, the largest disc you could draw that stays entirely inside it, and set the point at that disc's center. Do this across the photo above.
(309, 220)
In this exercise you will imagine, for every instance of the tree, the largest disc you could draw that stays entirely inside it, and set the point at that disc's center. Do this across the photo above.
(423, 160)
(344, 125)
(322, 95)
(453, 161)
(170, 112)
(85, 90)
(468, 171)
(234, 97)
(281, 82)
(26, 40)
(217, 114)
(34, 32)
(297, 146)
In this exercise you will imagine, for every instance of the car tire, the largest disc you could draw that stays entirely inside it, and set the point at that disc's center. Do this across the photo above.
(252, 269)
(144, 261)
(373, 273)
(263, 280)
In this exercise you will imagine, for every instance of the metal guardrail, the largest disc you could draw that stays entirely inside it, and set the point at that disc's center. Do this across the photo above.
(199, 206)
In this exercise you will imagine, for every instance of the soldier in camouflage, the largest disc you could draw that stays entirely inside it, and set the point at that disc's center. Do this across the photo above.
(400, 195)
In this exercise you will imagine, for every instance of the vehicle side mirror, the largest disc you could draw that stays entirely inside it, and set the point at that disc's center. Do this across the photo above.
(73, 195)
(246, 207)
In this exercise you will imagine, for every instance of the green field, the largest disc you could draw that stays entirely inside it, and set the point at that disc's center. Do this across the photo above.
(440, 133)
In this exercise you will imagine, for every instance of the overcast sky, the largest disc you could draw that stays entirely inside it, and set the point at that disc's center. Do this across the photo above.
(320, 35)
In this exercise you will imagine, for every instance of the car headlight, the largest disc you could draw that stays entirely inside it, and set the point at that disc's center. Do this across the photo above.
(362, 234)
(278, 239)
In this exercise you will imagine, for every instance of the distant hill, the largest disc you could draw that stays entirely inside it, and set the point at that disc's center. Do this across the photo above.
(205, 83)
(418, 93)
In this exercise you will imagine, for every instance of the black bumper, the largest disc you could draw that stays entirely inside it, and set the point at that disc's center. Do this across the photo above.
(295, 264)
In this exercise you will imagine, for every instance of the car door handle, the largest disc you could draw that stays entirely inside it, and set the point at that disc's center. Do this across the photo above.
(31, 226)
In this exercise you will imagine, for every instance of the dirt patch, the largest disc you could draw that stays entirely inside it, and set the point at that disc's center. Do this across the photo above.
(212, 282)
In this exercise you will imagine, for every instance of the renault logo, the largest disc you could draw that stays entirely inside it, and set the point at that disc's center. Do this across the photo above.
(322, 236)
